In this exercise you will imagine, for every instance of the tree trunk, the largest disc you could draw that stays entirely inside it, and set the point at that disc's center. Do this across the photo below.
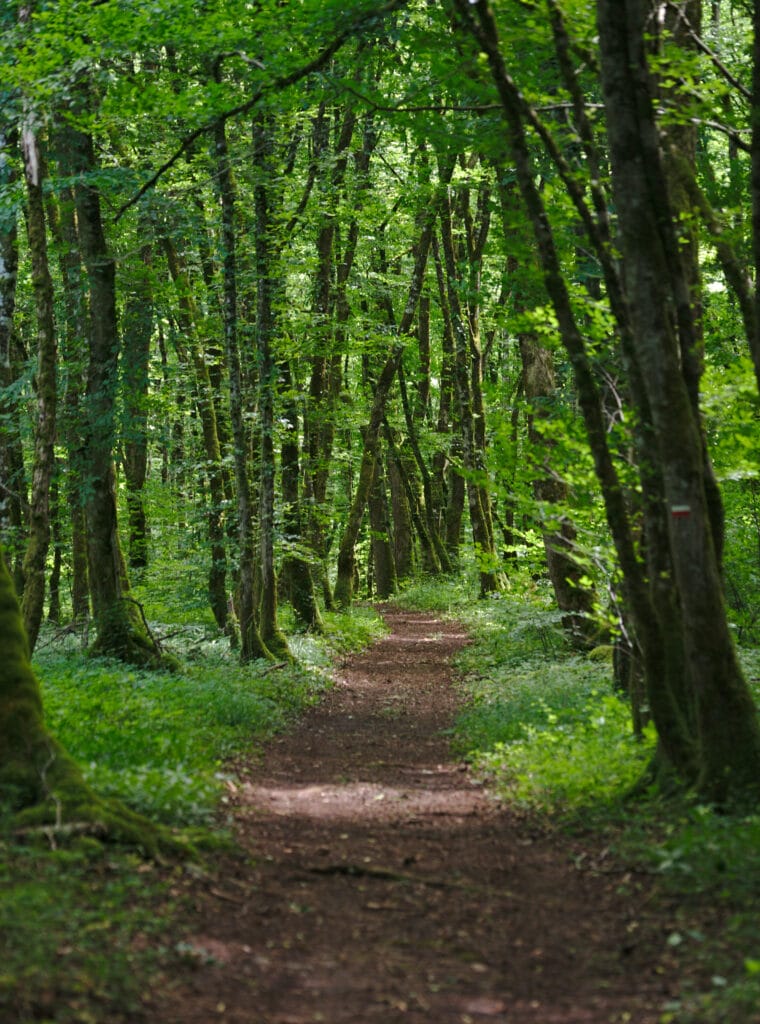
(296, 570)
(187, 316)
(652, 632)
(754, 337)
(32, 604)
(331, 314)
(74, 358)
(267, 285)
(728, 730)
(573, 596)
(403, 540)
(32, 765)
(467, 376)
(251, 643)
(12, 485)
(56, 536)
(380, 536)
(138, 330)
(121, 629)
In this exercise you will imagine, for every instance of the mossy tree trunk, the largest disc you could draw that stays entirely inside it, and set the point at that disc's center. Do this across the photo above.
(62, 222)
(11, 456)
(331, 311)
(573, 595)
(296, 568)
(268, 286)
(754, 333)
(40, 785)
(688, 654)
(251, 643)
(137, 333)
(56, 537)
(38, 543)
(448, 483)
(677, 744)
(32, 765)
(121, 630)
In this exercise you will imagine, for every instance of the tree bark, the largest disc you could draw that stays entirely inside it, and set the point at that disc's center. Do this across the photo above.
(660, 667)
(32, 604)
(138, 330)
(574, 597)
(386, 582)
(296, 569)
(267, 285)
(12, 484)
(251, 643)
(74, 357)
(192, 352)
(754, 337)
(467, 377)
(121, 630)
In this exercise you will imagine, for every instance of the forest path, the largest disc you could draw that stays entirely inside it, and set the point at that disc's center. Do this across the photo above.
(383, 885)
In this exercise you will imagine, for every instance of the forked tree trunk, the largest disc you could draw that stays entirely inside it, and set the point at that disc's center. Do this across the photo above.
(677, 743)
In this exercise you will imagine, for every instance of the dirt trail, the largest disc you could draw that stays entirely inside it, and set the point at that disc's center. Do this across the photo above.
(384, 886)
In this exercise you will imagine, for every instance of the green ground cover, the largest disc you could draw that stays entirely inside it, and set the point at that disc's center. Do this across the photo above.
(84, 927)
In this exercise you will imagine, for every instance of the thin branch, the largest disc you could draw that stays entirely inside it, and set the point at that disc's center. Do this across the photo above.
(709, 52)
(732, 133)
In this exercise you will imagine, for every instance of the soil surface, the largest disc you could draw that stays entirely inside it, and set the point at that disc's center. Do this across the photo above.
(383, 885)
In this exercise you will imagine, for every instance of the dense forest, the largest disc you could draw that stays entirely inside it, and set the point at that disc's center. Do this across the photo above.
(301, 303)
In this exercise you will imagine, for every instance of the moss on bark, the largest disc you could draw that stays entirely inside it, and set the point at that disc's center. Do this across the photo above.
(41, 786)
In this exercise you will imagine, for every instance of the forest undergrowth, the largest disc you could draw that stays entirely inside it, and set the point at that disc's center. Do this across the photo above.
(86, 927)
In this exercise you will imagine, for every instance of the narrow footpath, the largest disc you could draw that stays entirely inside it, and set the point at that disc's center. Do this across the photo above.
(384, 886)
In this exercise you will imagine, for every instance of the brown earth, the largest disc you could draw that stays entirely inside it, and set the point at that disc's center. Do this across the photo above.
(383, 884)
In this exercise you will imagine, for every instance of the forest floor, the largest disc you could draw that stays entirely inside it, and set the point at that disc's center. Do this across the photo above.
(381, 883)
